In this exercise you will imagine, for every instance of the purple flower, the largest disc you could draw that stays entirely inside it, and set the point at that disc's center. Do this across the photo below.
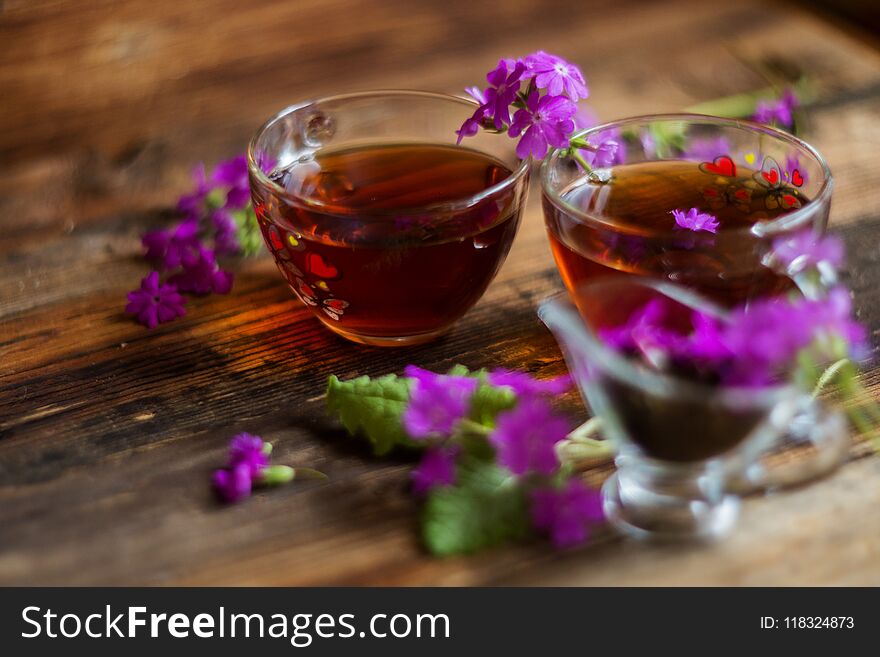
(806, 249)
(201, 275)
(792, 164)
(471, 125)
(565, 513)
(524, 385)
(646, 331)
(834, 315)
(504, 81)
(191, 204)
(436, 403)
(248, 450)
(173, 245)
(585, 117)
(238, 197)
(233, 484)
(556, 75)
(606, 149)
(707, 342)
(706, 149)
(477, 94)
(525, 437)
(231, 173)
(437, 468)
(545, 121)
(225, 237)
(780, 111)
(695, 220)
(766, 336)
(154, 304)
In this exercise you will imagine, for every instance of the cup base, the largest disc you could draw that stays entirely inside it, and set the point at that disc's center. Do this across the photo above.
(384, 340)
(641, 514)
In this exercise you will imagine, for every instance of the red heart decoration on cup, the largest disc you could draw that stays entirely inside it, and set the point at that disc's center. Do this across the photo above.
(722, 165)
(318, 266)
(796, 178)
(789, 201)
(771, 176)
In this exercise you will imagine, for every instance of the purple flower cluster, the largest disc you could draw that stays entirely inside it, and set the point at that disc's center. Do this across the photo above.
(181, 250)
(542, 89)
(523, 437)
(566, 513)
(248, 457)
(437, 403)
(779, 112)
(757, 345)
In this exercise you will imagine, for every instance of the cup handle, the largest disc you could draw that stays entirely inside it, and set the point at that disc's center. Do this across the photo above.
(814, 427)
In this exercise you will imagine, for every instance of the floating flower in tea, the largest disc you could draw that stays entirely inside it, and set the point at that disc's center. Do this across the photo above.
(695, 220)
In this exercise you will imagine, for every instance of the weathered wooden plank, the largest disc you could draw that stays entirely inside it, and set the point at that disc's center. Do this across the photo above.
(108, 433)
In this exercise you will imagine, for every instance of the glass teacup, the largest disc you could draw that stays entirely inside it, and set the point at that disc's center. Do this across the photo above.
(377, 220)
(685, 450)
(760, 183)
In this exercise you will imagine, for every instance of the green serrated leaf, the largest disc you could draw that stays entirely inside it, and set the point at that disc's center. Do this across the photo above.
(372, 407)
(461, 370)
(488, 400)
(485, 508)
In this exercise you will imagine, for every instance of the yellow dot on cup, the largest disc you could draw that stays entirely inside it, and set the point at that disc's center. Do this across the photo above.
(322, 285)
(750, 158)
(293, 241)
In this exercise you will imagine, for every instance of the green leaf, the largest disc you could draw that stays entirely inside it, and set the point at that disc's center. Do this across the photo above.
(488, 400)
(461, 370)
(308, 473)
(373, 408)
(247, 230)
(267, 449)
(485, 508)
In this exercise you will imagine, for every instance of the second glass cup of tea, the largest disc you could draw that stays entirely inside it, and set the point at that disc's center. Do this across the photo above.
(377, 219)
(760, 184)
(685, 448)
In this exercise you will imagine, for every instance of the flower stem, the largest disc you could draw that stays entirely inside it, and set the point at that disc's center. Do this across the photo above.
(469, 426)
(580, 444)
(577, 157)
(828, 375)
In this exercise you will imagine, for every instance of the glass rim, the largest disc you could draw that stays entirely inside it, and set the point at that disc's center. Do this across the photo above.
(446, 206)
(562, 308)
(783, 223)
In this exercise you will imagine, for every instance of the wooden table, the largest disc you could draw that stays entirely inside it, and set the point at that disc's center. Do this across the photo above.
(109, 432)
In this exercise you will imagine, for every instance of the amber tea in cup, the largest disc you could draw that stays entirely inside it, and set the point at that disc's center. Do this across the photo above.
(759, 183)
(377, 220)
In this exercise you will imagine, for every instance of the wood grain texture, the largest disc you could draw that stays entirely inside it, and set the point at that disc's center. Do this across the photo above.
(108, 433)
